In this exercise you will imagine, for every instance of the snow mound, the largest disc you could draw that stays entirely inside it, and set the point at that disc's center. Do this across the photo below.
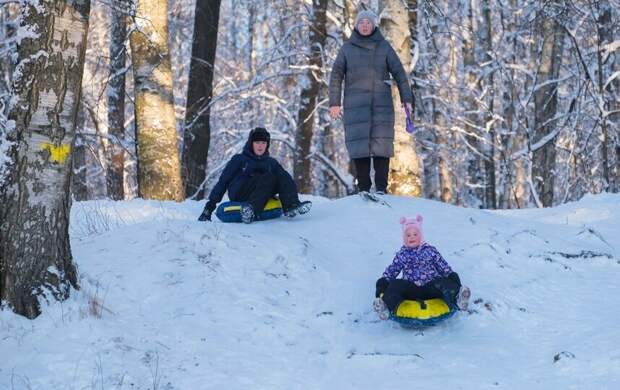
(168, 302)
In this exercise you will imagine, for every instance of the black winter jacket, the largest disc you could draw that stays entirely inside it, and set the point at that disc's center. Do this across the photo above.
(240, 169)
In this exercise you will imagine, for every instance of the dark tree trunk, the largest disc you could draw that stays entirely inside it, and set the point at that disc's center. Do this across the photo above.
(35, 255)
(510, 190)
(610, 95)
(412, 10)
(475, 167)
(199, 92)
(545, 103)
(307, 110)
(116, 107)
(490, 198)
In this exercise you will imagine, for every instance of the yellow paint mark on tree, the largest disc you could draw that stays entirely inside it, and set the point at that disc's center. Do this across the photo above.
(58, 154)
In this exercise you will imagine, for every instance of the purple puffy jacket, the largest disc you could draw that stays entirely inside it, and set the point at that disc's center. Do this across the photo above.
(419, 265)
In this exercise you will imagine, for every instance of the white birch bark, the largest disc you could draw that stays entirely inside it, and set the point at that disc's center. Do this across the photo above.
(35, 255)
(405, 176)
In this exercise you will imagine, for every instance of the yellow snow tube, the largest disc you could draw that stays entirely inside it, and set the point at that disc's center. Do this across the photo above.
(231, 211)
(435, 307)
(272, 204)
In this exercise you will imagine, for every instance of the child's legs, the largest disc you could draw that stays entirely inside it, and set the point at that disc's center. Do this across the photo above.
(257, 191)
(446, 287)
(287, 189)
(398, 290)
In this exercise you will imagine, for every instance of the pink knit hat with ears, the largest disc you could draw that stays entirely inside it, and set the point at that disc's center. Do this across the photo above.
(416, 223)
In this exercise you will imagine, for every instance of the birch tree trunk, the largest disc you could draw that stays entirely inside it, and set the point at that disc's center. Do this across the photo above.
(159, 171)
(116, 106)
(197, 134)
(309, 97)
(35, 254)
(545, 106)
(405, 178)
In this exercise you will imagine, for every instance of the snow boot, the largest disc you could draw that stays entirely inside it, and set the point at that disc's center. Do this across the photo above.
(247, 213)
(462, 298)
(300, 208)
(382, 310)
(374, 197)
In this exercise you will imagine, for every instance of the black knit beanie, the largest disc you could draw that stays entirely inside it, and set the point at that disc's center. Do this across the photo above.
(259, 134)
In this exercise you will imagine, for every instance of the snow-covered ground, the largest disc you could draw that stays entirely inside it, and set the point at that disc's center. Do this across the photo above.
(286, 304)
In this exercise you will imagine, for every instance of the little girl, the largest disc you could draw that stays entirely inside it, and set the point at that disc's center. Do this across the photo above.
(426, 274)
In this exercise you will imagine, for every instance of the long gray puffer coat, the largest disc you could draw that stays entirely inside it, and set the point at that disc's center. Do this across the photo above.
(365, 64)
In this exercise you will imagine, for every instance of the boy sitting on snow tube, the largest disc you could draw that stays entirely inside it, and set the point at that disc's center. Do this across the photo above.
(253, 177)
(426, 275)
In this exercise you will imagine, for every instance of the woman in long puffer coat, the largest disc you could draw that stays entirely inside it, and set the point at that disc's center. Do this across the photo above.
(365, 63)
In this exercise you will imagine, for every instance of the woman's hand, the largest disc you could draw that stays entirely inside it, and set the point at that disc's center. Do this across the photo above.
(335, 112)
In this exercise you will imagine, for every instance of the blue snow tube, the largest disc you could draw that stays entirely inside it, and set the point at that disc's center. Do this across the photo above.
(231, 211)
(422, 313)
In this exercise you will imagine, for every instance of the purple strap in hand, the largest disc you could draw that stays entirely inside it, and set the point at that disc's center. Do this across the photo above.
(409, 122)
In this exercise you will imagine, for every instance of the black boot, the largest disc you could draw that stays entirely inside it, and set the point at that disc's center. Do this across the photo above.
(207, 211)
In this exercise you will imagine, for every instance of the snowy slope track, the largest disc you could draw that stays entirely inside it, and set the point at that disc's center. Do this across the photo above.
(171, 303)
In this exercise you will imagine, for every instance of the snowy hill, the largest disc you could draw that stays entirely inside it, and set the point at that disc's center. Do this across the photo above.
(171, 303)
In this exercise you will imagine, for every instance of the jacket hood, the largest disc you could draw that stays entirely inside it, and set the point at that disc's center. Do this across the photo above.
(247, 148)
